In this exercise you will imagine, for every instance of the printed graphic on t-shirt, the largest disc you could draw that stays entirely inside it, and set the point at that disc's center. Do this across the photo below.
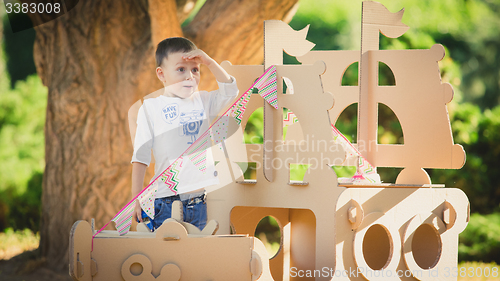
(170, 112)
(190, 124)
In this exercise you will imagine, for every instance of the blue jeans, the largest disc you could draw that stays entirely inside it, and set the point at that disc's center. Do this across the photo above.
(194, 209)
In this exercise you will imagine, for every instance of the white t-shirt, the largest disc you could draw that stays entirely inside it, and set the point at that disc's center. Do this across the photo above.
(176, 124)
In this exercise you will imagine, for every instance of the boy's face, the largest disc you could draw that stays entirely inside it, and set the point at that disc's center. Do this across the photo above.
(179, 76)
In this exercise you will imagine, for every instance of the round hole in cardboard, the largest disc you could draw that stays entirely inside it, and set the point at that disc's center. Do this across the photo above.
(377, 247)
(268, 230)
(136, 269)
(426, 246)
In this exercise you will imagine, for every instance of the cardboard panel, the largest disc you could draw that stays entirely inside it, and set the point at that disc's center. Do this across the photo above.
(420, 241)
(278, 37)
(168, 254)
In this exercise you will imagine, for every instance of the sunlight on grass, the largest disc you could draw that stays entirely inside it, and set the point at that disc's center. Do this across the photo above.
(478, 271)
(13, 243)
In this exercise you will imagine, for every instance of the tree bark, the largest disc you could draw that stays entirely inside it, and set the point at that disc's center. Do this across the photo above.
(97, 61)
(96, 64)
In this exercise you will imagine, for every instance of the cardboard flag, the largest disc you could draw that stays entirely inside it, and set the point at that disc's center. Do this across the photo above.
(365, 170)
(267, 85)
(219, 129)
(290, 118)
(123, 219)
(338, 137)
(281, 37)
(171, 175)
(147, 199)
(239, 108)
(197, 153)
(382, 20)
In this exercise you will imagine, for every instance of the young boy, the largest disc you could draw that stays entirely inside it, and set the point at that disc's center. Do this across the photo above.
(170, 123)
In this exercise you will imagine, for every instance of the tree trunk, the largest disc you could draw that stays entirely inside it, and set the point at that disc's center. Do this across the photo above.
(97, 61)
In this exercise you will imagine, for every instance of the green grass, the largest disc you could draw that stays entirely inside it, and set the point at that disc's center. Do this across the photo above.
(476, 271)
(13, 243)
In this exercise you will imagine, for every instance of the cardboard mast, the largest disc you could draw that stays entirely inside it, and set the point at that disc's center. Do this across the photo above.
(376, 18)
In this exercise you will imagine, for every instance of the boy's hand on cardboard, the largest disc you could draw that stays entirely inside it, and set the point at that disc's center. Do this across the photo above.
(198, 56)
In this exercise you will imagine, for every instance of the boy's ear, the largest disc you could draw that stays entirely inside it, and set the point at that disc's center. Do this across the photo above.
(159, 74)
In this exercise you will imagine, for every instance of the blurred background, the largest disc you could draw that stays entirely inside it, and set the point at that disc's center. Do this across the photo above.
(468, 29)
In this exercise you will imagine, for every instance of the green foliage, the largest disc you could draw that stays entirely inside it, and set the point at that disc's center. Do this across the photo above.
(22, 120)
(347, 123)
(480, 241)
(18, 47)
(22, 210)
(268, 230)
(389, 128)
(254, 131)
(479, 133)
(334, 25)
(470, 31)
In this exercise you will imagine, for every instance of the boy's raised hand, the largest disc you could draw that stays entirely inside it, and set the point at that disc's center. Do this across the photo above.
(201, 57)
(198, 56)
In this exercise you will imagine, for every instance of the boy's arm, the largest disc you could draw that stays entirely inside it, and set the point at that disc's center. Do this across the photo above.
(201, 57)
(138, 174)
(220, 73)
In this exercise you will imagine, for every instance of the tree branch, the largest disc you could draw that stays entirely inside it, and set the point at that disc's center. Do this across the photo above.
(233, 30)
(164, 20)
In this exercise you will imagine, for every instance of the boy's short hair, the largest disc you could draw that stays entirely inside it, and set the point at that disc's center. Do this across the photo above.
(173, 45)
